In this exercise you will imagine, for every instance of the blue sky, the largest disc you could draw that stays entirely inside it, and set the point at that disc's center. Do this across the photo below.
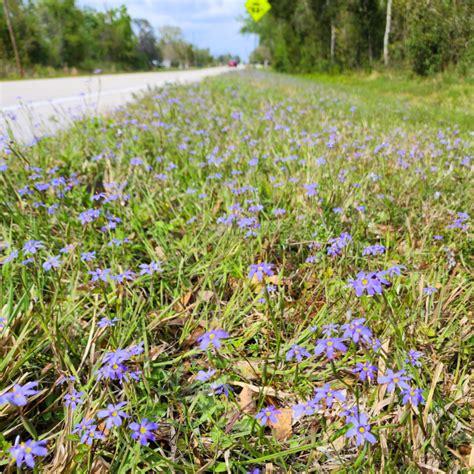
(210, 24)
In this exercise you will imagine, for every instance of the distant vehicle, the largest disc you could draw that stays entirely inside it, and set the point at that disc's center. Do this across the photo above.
(232, 63)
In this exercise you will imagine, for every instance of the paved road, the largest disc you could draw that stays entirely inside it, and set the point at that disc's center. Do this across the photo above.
(35, 108)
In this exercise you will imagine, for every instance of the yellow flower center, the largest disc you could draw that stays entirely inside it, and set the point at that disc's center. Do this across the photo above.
(395, 380)
(28, 450)
(365, 281)
(114, 413)
(212, 336)
(297, 352)
(358, 330)
(329, 343)
(91, 434)
(115, 367)
(365, 369)
(73, 399)
(142, 430)
(361, 429)
(412, 393)
(329, 394)
(268, 413)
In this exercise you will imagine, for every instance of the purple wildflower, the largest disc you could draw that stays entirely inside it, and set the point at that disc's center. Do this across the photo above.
(412, 358)
(32, 246)
(327, 394)
(429, 290)
(374, 250)
(330, 329)
(337, 244)
(267, 414)
(52, 262)
(360, 429)
(127, 275)
(106, 322)
(304, 409)
(297, 352)
(349, 412)
(87, 256)
(366, 282)
(205, 376)
(73, 399)
(82, 426)
(143, 431)
(18, 395)
(9, 258)
(356, 330)
(328, 345)
(90, 434)
(260, 270)
(99, 274)
(365, 370)
(395, 270)
(89, 216)
(394, 379)
(311, 189)
(212, 338)
(26, 452)
(221, 389)
(413, 396)
(113, 415)
(150, 268)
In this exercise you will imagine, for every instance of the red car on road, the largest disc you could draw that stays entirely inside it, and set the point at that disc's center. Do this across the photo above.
(232, 63)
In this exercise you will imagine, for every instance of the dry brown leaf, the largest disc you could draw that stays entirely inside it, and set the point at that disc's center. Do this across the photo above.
(282, 428)
(191, 340)
(259, 285)
(205, 295)
(184, 300)
(246, 401)
(100, 466)
(249, 370)
(267, 391)
(269, 468)
(160, 252)
(436, 377)
(155, 351)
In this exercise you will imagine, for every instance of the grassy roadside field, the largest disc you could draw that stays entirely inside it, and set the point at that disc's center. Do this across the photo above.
(439, 100)
(258, 272)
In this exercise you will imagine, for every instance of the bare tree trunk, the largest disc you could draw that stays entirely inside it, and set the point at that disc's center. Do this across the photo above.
(12, 37)
(333, 42)
(386, 36)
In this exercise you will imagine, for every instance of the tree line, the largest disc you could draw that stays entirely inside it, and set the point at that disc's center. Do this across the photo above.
(60, 34)
(428, 36)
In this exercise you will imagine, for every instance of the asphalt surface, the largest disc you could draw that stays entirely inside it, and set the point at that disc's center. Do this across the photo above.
(31, 109)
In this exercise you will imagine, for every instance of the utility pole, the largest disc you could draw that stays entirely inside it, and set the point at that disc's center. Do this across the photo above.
(12, 37)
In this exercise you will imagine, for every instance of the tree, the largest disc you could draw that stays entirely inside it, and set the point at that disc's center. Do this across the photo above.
(261, 55)
(12, 37)
(147, 42)
(388, 24)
